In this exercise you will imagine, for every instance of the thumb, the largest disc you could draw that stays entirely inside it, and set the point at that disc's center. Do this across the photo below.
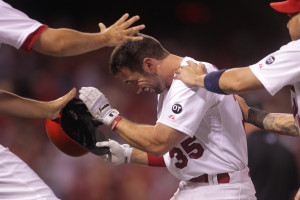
(62, 101)
(102, 27)
(58, 104)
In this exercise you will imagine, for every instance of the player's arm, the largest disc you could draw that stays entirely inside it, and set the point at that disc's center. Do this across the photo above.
(68, 42)
(14, 105)
(156, 140)
(232, 81)
(281, 123)
(123, 153)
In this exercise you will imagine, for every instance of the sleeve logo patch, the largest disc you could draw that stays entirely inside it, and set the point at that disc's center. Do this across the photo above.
(177, 108)
(270, 60)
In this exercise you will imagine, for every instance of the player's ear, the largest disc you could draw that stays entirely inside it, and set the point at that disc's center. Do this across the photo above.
(149, 65)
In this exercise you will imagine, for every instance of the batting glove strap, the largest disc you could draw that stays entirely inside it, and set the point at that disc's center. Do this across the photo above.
(109, 116)
(127, 152)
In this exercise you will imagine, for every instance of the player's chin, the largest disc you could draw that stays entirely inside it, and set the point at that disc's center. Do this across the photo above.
(157, 90)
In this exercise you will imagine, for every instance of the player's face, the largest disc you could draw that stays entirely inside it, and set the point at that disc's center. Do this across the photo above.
(294, 26)
(145, 82)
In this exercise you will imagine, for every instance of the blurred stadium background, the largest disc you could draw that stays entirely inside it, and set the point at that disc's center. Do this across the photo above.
(228, 34)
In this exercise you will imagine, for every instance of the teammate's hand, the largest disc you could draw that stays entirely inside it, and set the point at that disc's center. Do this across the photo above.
(98, 105)
(189, 74)
(243, 105)
(118, 153)
(119, 31)
(54, 107)
(297, 197)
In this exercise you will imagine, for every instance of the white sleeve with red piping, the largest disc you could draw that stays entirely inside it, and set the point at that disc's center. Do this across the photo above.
(16, 26)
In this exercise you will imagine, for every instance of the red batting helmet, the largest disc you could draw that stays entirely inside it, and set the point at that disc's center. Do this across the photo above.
(288, 6)
(61, 140)
(75, 132)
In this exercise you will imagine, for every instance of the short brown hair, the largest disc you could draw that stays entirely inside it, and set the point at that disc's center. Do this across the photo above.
(132, 54)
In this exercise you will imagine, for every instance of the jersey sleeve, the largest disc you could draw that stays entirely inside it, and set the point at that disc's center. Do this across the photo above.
(280, 68)
(185, 107)
(15, 26)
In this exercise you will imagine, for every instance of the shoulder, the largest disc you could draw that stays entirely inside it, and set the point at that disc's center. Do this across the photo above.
(293, 45)
(209, 67)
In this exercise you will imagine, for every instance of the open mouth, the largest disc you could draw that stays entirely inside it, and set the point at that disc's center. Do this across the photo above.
(145, 89)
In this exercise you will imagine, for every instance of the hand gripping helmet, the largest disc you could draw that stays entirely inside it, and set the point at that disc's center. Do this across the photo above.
(75, 132)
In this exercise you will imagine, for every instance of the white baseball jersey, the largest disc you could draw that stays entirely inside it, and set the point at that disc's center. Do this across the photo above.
(18, 181)
(279, 69)
(215, 139)
(15, 26)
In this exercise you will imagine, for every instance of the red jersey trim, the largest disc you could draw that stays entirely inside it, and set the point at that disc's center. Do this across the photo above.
(26, 46)
(156, 161)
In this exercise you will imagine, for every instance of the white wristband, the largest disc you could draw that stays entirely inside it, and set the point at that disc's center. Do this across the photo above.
(127, 152)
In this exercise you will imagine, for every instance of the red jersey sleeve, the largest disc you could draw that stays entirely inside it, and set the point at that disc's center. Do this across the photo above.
(26, 46)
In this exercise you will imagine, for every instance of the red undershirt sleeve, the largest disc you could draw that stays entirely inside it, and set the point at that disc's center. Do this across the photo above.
(156, 161)
(26, 46)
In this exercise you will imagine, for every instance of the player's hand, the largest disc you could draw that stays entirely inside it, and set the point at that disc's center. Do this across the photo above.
(243, 105)
(297, 197)
(118, 153)
(189, 74)
(98, 105)
(54, 107)
(119, 32)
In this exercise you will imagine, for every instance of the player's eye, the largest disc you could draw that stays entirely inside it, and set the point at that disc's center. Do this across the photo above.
(130, 82)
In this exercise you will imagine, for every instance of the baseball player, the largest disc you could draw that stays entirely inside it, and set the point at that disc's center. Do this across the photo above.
(273, 72)
(17, 180)
(199, 136)
(18, 30)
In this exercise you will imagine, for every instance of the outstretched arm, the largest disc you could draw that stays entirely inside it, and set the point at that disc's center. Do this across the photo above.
(156, 140)
(232, 81)
(14, 105)
(123, 153)
(67, 42)
(281, 123)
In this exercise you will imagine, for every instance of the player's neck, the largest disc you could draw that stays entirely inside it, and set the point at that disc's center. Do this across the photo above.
(168, 67)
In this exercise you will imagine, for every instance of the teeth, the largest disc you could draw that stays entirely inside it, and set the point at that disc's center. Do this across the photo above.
(144, 90)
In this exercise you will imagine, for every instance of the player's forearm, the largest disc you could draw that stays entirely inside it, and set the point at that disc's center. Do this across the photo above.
(156, 140)
(280, 123)
(14, 105)
(67, 42)
(139, 136)
(239, 80)
(139, 157)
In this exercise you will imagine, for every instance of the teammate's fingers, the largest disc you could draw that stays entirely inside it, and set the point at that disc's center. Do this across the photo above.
(178, 70)
(130, 21)
(133, 39)
(122, 19)
(190, 62)
(134, 29)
